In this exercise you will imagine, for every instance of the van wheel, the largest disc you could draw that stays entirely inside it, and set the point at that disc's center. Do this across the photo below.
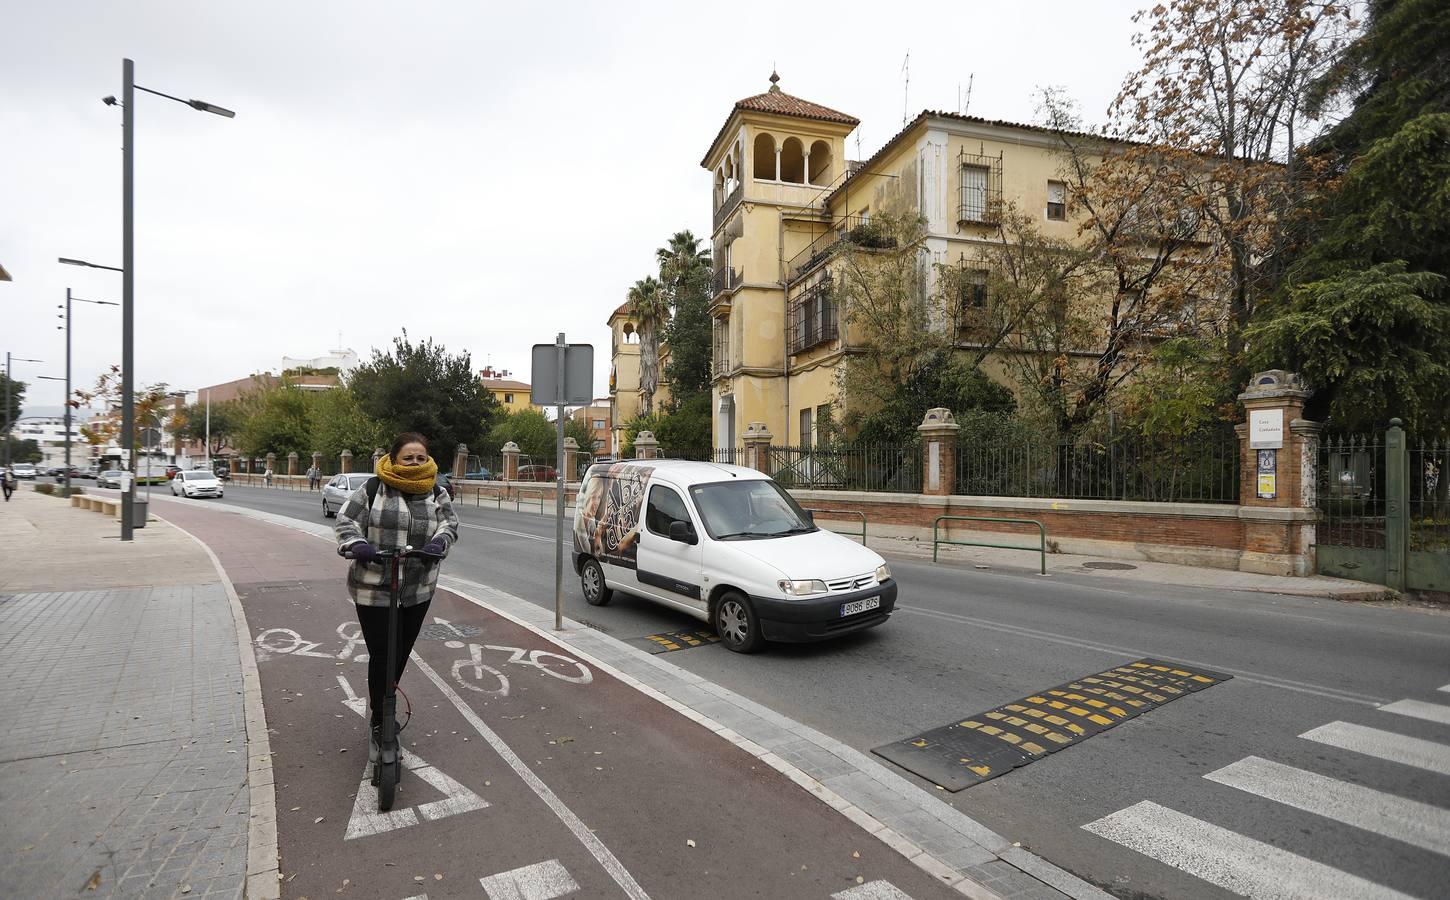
(736, 623)
(591, 577)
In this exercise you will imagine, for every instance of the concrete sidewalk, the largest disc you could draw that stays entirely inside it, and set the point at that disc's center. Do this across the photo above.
(128, 773)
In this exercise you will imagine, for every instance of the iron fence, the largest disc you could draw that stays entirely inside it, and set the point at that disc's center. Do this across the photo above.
(880, 468)
(1351, 491)
(730, 455)
(1130, 466)
(1429, 484)
(856, 231)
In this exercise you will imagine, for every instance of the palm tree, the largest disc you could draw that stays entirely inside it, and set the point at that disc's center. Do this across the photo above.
(650, 308)
(685, 276)
(681, 260)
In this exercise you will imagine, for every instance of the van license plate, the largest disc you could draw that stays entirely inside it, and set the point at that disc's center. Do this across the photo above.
(859, 606)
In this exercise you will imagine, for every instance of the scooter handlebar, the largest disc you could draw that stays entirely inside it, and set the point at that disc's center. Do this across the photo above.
(407, 551)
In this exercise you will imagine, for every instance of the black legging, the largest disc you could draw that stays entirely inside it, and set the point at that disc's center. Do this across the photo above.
(374, 622)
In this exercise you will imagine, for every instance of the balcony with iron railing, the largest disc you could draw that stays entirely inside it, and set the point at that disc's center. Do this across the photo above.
(725, 209)
(726, 280)
(854, 231)
(813, 318)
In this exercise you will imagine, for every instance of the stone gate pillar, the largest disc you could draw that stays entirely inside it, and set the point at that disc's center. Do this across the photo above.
(460, 461)
(757, 440)
(938, 430)
(510, 453)
(1278, 472)
(571, 459)
(346, 461)
(645, 446)
(378, 453)
(317, 461)
(292, 463)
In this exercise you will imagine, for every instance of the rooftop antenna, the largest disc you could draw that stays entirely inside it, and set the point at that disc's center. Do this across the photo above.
(905, 87)
(967, 105)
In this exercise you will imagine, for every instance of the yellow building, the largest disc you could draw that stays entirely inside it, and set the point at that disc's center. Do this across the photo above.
(596, 417)
(783, 194)
(511, 395)
(624, 398)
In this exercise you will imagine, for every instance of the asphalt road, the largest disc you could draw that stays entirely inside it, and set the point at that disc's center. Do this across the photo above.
(1219, 787)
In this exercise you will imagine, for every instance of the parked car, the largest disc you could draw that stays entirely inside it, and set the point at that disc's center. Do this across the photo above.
(23, 470)
(110, 478)
(478, 475)
(338, 489)
(445, 481)
(727, 545)
(537, 473)
(223, 471)
(196, 483)
(171, 471)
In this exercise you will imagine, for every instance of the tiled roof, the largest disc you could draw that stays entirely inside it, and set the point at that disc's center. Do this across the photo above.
(936, 114)
(621, 310)
(779, 103)
(503, 384)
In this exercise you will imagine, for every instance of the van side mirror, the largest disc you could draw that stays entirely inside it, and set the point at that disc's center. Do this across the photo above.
(683, 532)
(810, 515)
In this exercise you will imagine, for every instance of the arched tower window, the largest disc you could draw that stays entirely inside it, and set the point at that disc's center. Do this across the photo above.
(792, 161)
(820, 163)
(764, 157)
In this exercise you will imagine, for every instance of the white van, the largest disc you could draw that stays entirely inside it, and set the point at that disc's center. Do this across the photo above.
(725, 544)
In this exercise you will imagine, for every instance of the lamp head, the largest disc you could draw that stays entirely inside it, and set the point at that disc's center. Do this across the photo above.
(109, 100)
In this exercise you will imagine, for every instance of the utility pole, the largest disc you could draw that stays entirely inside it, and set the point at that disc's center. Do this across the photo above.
(128, 292)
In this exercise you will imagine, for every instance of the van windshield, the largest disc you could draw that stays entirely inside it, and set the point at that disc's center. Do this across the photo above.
(748, 510)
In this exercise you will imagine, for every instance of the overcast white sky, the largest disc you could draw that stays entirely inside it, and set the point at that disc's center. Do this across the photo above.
(458, 169)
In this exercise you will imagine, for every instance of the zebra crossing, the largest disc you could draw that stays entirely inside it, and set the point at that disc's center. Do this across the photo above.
(1253, 868)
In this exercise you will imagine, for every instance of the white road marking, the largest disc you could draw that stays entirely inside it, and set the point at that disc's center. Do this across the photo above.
(1230, 860)
(1446, 689)
(596, 847)
(872, 890)
(1068, 641)
(532, 537)
(1430, 712)
(541, 881)
(1394, 817)
(1384, 745)
(367, 821)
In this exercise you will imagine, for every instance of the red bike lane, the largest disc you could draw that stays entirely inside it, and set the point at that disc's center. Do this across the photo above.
(528, 773)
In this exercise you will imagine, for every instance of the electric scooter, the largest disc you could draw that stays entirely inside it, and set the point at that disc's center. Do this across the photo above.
(388, 770)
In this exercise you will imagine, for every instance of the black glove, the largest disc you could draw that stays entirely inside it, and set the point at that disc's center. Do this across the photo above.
(361, 551)
(436, 547)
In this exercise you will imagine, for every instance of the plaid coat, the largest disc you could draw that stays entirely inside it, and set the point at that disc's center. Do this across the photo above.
(396, 520)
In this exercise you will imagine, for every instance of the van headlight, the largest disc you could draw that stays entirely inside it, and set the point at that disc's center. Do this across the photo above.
(883, 574)
(802, 588)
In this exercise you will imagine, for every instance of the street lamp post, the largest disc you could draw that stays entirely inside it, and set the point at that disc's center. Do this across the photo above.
(8, 423)
(68, 298)
(128, 265)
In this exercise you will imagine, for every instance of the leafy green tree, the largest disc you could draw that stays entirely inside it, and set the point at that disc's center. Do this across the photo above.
(938, 379)
(338, 424)
(276, 420)
(537, 435)
(422, 387)
(226, 423)
(685, 276)
(17, 396)
(650, 308)
(1364, 311)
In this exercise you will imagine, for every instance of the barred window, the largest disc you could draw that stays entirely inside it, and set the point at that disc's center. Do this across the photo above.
(1057, 200)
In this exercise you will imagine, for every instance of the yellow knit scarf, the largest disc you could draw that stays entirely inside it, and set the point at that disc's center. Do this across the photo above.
(408, 479)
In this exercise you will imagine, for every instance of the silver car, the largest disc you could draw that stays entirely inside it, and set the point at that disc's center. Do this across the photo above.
(338, 489)
(110, 478)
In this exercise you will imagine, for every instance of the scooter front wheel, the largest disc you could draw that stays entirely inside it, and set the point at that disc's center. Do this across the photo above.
(387, 780)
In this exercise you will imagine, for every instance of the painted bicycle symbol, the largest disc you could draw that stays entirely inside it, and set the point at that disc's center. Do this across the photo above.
(476, 675)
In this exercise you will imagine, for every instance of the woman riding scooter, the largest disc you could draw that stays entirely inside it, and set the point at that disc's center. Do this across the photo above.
(401, 508)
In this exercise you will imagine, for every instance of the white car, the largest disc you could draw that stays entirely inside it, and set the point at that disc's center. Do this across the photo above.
(196, 483)
(23, 470)
(727, 545)
(110, 478)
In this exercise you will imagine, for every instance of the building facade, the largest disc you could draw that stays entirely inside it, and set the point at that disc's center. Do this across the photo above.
(625, 402)
(512, 395)
(783, 195)
(597, 417)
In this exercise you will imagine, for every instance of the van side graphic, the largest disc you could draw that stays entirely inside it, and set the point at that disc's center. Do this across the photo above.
(607, 527)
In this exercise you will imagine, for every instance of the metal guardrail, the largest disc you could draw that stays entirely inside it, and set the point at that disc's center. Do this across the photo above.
(830, 513)
(519, 500)
(1041, 532)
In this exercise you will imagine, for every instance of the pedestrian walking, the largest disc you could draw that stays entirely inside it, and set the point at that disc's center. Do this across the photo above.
(8, 480)
(401, 506)
(267, 477)
(314, 475)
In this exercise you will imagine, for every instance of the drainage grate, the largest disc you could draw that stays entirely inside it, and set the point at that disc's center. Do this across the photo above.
(1112, 566)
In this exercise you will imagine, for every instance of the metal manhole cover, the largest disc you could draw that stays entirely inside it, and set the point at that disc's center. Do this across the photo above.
(1117, 567)
(439, 631)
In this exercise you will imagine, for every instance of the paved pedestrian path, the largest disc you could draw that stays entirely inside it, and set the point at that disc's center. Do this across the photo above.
(123, 763)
